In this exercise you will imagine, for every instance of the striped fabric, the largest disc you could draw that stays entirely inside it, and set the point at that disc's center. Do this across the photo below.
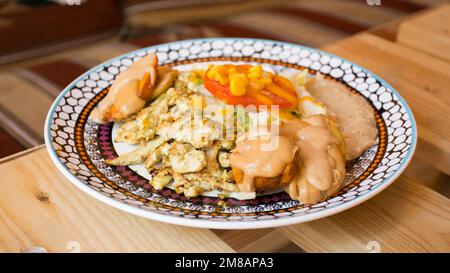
(28, 88)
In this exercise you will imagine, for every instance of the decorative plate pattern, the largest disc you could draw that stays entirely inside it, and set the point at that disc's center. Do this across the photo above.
(78, 146)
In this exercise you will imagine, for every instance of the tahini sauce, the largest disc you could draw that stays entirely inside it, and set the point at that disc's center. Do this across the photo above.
(263, 155)
(123, 93)
(322, 166)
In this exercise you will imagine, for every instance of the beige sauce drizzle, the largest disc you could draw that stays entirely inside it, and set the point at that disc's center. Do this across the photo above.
(123, 92)
(127, 101)
(322, 166)
(252, 157)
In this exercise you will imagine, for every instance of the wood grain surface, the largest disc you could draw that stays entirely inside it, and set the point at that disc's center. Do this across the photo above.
(406, 217)
(39, 207)
(428, 32)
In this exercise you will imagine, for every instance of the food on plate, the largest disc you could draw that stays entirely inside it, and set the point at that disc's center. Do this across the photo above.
(321, 152)
(249, 85)
(351, 111)
(237, 130)
(132, 89)
(263, 162)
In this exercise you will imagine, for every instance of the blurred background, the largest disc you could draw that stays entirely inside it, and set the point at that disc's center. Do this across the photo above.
(47, 44)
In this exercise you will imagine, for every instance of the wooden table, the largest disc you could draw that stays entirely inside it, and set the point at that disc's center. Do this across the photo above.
(39, 207)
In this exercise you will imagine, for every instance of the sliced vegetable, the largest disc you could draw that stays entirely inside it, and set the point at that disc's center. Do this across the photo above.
(223, 93)
(282, 93)
(284, 83)
(144, 89)
(249, 85)
(238, 84)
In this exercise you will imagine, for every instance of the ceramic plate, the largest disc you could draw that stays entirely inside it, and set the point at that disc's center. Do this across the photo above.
(78, 146)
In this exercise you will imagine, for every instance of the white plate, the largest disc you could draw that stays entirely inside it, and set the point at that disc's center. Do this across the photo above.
(78, 146)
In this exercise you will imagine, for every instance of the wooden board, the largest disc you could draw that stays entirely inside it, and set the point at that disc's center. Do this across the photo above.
(428, 32)
(406, 217)
(39, 207)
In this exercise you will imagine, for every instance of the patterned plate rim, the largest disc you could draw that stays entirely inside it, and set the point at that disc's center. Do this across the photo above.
(205, 223)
